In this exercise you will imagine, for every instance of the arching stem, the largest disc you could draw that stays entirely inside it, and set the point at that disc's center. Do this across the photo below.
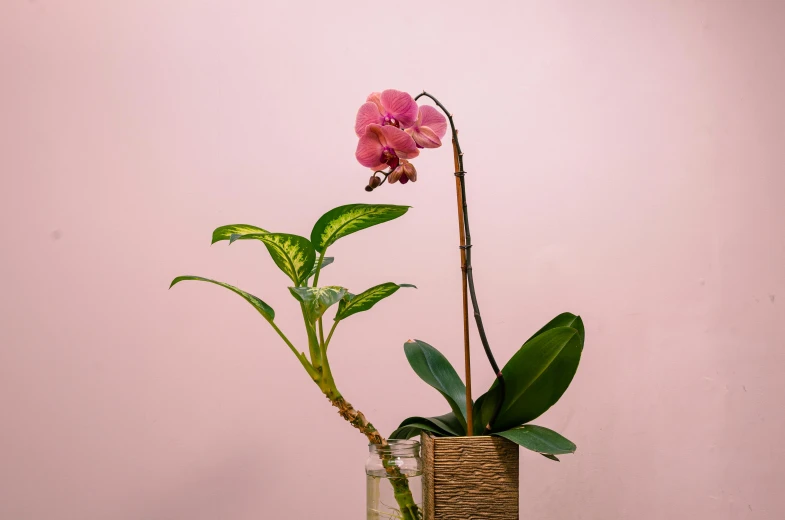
(468, 276)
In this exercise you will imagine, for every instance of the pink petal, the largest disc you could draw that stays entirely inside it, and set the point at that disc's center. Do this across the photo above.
(369, 148)
(400, 105)
(368, 114)
(433, 119)
(399, 141)
(425, 137)
(376, 99)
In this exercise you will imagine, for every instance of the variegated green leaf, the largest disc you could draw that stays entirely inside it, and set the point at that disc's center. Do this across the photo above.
(327, 260)
(265, 310)
(352, 304)
(345, 220)
(226, 232)
(317, 299)
(293, 254)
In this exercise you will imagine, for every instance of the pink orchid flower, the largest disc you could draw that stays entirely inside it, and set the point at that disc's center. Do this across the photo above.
(382, 146)
(391, 107)
(429, 128)
(405, 172)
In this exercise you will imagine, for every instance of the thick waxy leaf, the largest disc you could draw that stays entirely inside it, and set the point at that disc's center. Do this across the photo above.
(345, 220)
(317, 299)
(293, 254)
(265, 310)
(447, 424)
(327, 260)
(565, 319)
(413, 430)
(484, 408)
(226, 232)
(537, 376)
(434, 369)
(354, 303)
(539, 439)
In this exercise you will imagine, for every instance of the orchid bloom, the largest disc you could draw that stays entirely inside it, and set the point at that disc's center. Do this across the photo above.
(429, 128)
(383, 146)
(388, 108)
(405, 172)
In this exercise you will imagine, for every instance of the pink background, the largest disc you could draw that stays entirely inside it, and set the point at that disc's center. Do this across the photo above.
(625, 162)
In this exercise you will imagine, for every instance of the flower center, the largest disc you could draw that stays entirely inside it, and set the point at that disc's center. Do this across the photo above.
(389, 157)
(389, 120)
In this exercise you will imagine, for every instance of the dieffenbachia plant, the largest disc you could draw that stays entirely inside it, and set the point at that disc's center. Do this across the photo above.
(302, 260)
(392, 129)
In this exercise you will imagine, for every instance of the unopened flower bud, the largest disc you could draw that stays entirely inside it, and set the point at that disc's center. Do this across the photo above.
(373, 182)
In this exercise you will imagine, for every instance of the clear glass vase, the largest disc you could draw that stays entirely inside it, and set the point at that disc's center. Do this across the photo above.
(394, 481)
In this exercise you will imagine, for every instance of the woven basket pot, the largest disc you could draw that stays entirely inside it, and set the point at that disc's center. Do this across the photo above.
(469, 478)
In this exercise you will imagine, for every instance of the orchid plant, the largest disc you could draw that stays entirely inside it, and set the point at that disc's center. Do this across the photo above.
(392, 129)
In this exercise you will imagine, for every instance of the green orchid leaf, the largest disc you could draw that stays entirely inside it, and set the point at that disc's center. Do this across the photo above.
(293, 254)
(327, 260)
(565, 319)
(448, 425)
(484, 408)
(345, 220)
(539, 439)
(317, 299)
(537, 375)
(413, 430)
(434, 369)
(265, 310)
(352, 304)
(226, 232)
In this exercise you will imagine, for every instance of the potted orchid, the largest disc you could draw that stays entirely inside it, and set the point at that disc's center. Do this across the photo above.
(471, 452)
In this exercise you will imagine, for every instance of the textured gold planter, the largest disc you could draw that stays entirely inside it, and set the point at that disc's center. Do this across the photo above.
(469, 478)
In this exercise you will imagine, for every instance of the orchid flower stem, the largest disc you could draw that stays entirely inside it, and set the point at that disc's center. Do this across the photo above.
(466, 248)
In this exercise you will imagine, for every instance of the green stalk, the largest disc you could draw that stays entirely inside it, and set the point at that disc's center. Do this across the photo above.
(300, 356)
(329, 336)
(399, 481)
(313, 342)
(318, 267)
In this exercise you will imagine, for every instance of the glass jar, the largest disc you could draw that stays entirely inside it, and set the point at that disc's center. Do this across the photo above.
(394, 481)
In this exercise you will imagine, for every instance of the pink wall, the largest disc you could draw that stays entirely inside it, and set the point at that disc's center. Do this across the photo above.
(625, 163)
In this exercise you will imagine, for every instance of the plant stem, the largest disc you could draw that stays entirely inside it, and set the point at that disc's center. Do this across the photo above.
(399, 481)
(318, 267)
(330, 336)
(321, 334)
(303, 360)
(460, 174)
(464, 304)
(313, 342)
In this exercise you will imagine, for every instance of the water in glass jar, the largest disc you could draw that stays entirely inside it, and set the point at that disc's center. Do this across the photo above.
(381, 498)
